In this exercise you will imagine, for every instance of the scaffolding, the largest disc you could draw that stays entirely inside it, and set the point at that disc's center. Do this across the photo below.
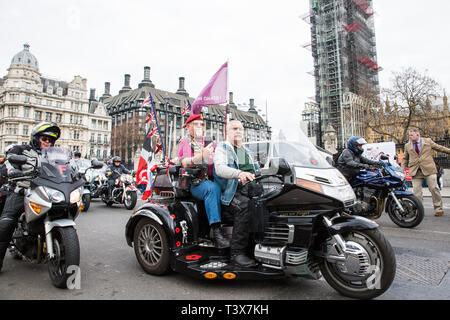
(344, 51)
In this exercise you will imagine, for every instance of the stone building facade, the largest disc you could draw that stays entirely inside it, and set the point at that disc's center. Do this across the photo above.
(128, 118)
(28, 98)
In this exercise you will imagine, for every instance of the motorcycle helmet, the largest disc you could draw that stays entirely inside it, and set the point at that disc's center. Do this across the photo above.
(49, 129)
(355, 144)
(116, 159)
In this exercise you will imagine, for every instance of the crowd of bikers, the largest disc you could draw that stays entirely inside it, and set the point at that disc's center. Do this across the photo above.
(227, 172)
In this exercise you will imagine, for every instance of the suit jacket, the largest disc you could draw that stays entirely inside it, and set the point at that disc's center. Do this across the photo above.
(423, 160)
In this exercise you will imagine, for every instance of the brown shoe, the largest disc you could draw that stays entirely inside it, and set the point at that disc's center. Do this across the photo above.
(438, 213)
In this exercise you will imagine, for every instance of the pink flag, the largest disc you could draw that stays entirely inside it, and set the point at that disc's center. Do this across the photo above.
(215, 91)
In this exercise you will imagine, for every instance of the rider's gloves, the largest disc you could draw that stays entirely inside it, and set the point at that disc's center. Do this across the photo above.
(15, 173)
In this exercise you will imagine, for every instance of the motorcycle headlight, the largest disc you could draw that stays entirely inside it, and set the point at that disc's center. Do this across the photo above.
(55, 196)
(75, 195)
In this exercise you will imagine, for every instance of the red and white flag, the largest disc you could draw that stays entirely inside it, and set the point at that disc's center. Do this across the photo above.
(146, 163)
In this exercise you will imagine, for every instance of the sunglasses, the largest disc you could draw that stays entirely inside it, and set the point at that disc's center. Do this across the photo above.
(46, 139)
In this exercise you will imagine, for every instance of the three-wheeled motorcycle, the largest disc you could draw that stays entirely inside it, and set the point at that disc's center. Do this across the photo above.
(299, 228)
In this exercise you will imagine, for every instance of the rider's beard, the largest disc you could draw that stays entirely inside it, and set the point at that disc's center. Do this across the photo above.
(198, 133)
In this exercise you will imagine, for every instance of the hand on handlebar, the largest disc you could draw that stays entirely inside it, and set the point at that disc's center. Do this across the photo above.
(245, 176)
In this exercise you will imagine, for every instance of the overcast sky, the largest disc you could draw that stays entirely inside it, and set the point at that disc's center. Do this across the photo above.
(102, 40)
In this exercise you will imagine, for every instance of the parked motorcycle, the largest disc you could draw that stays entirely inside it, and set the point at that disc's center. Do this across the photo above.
(384, 189)
(90, 187)
(299, 227)
(123, 191)
(46, 230)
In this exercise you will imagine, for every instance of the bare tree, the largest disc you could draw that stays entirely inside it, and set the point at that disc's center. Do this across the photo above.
(406, 103)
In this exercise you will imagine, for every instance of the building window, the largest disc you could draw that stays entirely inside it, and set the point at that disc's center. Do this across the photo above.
(12, 111)
(49, 102)
(11, 129)
(25, 130)
(37, 115)
(58, 117)
(26, 112)
(27, 98)
(38, 101)
(58, 104)
(92, 137)
(48, 116)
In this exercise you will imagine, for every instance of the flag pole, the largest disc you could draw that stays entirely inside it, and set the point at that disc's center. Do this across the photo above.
(159, 130)
(226, 106)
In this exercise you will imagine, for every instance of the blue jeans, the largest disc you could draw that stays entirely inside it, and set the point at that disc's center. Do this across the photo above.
(209, 192)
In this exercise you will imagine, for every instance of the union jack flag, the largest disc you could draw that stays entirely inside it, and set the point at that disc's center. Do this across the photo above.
(150, 117)
(148, 102)
(158, 147)
(152, 132)
(187, 109)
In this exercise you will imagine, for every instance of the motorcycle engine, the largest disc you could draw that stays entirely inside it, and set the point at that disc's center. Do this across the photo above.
(366, 200)
(25, 243)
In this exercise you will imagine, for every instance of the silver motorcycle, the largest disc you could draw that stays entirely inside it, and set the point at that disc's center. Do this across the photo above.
(46, 230)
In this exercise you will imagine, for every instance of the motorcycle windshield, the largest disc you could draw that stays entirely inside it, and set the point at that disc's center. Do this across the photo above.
(300, 154)
(55, 165)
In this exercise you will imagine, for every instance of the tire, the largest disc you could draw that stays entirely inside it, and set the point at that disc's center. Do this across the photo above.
(414, 211)
(67, 255)
(86, 202)
(151, 247)
(130, 203)
(380, 266)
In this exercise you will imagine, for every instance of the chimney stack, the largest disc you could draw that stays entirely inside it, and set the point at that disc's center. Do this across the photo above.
(92, 95)
(107, 89)
(230, 101)
(126, 85)
(252, 108)
(181, 89)
(146, 82)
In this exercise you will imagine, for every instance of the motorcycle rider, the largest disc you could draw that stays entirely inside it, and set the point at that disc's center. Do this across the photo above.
(115, 169)
(195, 151)
(77, 159)
(233, 164)
(351, 160)
(42, 136)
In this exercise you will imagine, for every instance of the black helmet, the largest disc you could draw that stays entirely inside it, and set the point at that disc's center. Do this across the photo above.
(116, 159)
(49, 129)
(77, 153)
(355, 144)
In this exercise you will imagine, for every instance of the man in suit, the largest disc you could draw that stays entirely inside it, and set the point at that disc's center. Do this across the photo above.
(419, 159)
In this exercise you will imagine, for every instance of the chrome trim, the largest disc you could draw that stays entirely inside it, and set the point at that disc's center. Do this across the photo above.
(296, 257)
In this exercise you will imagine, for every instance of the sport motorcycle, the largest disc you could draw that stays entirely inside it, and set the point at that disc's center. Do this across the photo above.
(46, 230)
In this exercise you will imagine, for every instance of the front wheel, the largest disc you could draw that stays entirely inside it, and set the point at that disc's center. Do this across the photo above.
(67, 256)
(368, 268)
(130, 199)
(151, 247)
(413, 211)
(86, 201)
